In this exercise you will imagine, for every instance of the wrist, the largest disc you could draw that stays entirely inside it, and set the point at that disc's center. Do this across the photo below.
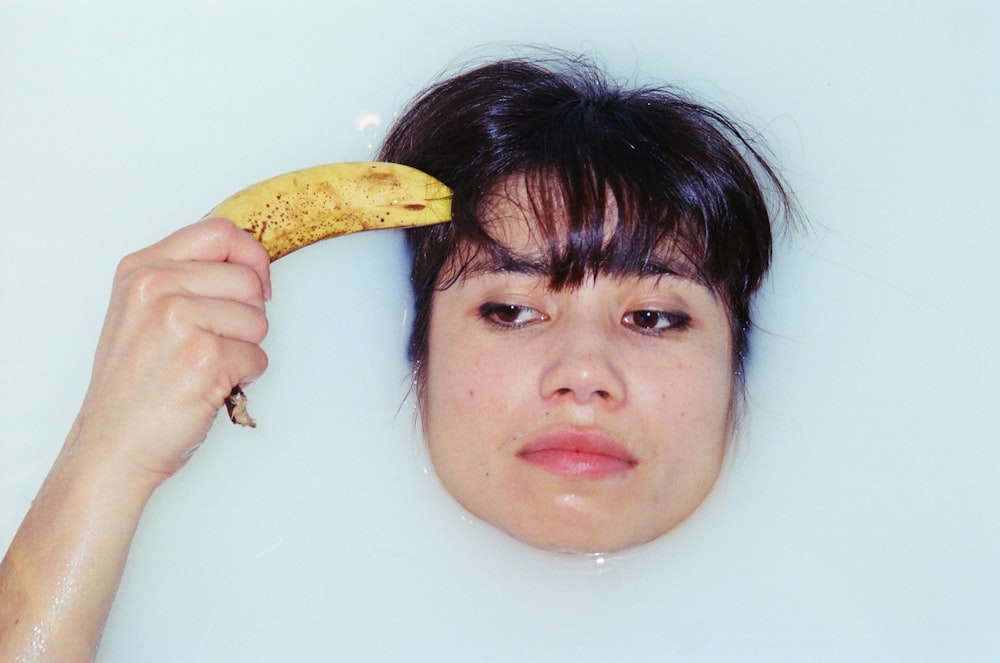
(94, 465)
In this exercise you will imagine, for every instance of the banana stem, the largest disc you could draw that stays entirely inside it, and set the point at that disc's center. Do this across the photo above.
(236, 406)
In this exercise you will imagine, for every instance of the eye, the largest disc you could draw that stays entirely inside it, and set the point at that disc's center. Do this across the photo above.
(655, 322)
(511, 316)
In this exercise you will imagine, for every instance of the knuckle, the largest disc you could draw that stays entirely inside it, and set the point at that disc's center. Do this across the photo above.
(250, 365)
(176, 312)
(261, 326)
(246, 283)
(203, 351)
(143, 283)
(220, 390)
(128, 265)
(223, 231)
(257, 363)
(220, 226)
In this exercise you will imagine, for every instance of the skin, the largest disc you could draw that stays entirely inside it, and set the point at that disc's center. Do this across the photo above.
(641, 362)
(184, 325)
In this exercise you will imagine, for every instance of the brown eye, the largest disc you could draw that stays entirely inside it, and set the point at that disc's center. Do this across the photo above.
(508, 315)
(653, 322)
(646, 319)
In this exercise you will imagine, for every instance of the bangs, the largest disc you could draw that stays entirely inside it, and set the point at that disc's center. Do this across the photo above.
(609, 187)
(617, 182)
(579, 225)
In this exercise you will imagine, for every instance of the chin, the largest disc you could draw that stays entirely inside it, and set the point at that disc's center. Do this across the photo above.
(584, 542)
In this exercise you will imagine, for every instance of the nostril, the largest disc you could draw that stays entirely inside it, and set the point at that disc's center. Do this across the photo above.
(603, 394)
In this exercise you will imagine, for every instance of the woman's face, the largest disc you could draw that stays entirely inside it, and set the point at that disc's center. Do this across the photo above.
(587, 419)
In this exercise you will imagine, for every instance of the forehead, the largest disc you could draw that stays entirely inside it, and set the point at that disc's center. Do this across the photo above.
(533, 229)
(519, 228)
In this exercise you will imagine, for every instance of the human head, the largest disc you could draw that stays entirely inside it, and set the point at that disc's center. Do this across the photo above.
(672, 169)
(615, 177)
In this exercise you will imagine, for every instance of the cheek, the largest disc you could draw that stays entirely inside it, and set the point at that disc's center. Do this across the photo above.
(458, 385)
(465, 370)
(468, 386)
(466, 414)
(694, 405)
(707, 391)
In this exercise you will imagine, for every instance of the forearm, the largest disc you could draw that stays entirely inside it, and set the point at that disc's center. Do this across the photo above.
(61, 572)
(184, 325)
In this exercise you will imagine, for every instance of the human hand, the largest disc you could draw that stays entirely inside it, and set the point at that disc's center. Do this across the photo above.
(183, 327)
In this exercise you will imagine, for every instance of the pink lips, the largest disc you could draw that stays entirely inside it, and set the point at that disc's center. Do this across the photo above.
(578, 454)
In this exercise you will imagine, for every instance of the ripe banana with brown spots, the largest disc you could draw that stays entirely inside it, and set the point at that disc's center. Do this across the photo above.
(290, 211)
(299, 208)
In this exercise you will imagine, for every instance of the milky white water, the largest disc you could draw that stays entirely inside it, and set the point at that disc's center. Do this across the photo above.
(859, 514)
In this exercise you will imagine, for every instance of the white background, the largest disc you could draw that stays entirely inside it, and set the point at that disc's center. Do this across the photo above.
(859, 516)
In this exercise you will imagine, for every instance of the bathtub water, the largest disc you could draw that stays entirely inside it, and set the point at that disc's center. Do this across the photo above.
(858, 515)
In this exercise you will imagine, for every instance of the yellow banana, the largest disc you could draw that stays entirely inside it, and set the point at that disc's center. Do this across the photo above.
(299, 208)
(296, 209)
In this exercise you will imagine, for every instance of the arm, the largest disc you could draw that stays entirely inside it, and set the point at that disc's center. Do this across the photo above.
(184, 325)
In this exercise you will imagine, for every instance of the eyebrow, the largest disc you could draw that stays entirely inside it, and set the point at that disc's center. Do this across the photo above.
(517, 264)
(668, 266)
(537, 266)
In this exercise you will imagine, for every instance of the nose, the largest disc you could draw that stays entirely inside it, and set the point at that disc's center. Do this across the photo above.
(583, 367)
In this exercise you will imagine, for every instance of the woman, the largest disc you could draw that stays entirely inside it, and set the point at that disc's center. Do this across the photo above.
(582, 323)
(580, 332)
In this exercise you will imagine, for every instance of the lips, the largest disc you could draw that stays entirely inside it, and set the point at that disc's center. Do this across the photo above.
(579, 454)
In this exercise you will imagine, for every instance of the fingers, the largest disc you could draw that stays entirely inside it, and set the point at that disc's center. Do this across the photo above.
(226, 318)
(213, 280)
(209, 366)
(210, 240)
(184, 325)
(185, 285)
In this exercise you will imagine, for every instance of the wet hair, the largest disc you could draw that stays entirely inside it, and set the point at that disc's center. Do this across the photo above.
(616, 177)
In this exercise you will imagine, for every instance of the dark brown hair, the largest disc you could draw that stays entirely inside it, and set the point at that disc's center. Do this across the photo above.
(661, 169)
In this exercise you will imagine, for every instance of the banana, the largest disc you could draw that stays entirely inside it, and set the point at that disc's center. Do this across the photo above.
(296, 209)
(290, 211)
